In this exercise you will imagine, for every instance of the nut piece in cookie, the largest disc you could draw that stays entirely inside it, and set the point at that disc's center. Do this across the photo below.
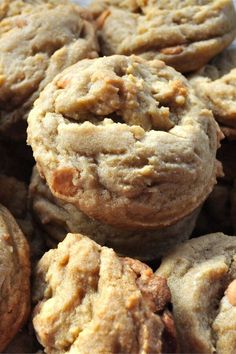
(15, 276)
(38, 39)
(91, 301)
(215, 84)
(184, 34)
(201, 274)
(125, 140)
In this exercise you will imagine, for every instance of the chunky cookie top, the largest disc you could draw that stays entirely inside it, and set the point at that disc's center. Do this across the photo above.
(92, 301)
(126, 140)
(185, 34)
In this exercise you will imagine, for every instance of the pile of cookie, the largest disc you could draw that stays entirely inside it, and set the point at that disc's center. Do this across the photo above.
(117, 177)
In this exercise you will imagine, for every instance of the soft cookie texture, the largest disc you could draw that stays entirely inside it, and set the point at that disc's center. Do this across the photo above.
(90, 301)
(216, 85)
(38, 39)
(185, 34)
(126, 141)
(58, 217)
(14, 278)
(201, 275)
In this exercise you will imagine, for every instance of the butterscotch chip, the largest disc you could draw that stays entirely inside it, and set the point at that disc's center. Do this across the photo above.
(139, 142)
(38, 40)
(58, 217)
(91, 301)
(15, 274)
(185, 34)
(201, 275)
(216, 85)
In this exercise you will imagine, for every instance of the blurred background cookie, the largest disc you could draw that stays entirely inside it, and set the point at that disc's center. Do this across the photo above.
(15, 278)
(88, 300)
(38, 40)
(216, 85)
(201, 275)
(185, 34)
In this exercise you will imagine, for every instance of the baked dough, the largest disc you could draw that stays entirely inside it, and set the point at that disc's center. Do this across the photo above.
(58, 218)
(37, 40)
(216, 85)
(185, 34)
(201, 275)
(90, 301)
(126, 141)
(15, 277)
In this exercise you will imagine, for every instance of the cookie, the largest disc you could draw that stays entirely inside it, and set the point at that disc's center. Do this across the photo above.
(216, 85)
(15, 274)
(91, 301)
(37, 42)
(201, 275)
(58, 218)
(184, 34)
(126, 141)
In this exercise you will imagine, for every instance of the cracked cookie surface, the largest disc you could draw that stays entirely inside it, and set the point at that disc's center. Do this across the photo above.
(37, 42)
(126, 141)
(185, 34)
(201, 275)
(92, 301)
(15, 276)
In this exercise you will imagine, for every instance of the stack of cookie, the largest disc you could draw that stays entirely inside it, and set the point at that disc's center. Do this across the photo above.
(129, 109)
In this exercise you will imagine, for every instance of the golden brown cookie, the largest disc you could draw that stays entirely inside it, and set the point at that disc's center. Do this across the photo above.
(126, 141)
(58, 218)
(216, 85)
(15, 274)
(201, 274)
(37, 40)
(91, 301)
(185, 34)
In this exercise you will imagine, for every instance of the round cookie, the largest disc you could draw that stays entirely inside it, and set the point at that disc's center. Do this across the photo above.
(201, 275)
(91, 301)
(58, 218)
(37, 42)
(184, 34)
(215, 84)
(15, 276)
(126, 141)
